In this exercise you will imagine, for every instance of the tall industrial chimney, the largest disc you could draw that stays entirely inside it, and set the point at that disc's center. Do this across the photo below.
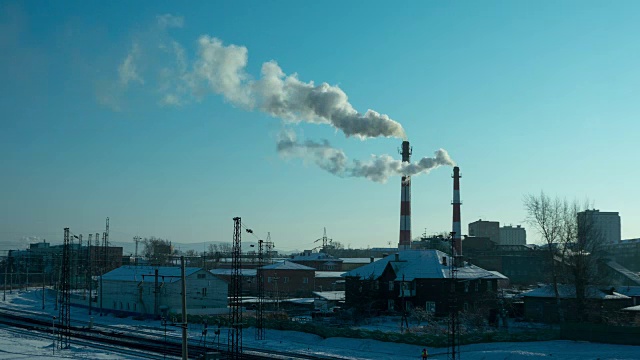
(405, 202)
(456, 229)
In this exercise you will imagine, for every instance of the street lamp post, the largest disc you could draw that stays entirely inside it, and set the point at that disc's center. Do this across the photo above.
(53, 327)
(164, 350)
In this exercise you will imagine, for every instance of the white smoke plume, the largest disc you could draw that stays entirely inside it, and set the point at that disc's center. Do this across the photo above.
(333, 160)
(158, 61)
(221, 69)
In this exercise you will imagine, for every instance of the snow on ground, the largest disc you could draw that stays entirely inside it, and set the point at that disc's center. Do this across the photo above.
(14, 346)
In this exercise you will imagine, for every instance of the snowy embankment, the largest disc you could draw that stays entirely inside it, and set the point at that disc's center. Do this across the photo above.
(14, 346)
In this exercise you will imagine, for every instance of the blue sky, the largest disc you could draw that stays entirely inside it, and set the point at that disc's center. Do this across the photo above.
(525, 96)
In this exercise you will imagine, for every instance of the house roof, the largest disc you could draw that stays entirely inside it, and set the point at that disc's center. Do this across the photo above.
(315, 257)
(147, 273)
(420, 264)
(630, 275)
(358, 260)
(330, 295)
(628, 290)
(286, 265)
(632, 308)
(329, 274)
(229, 272)
(569, 292)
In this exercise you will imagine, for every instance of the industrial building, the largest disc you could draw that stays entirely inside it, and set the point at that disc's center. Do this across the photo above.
(606, 225)
(155, 291)
(488, 229)
(42, 262)
(510, 235)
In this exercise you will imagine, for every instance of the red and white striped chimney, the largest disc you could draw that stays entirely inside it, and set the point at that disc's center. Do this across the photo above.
(456, 229)
(405, 203)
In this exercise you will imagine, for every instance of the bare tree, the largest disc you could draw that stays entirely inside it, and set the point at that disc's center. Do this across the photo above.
(158, 251)
(573, 242)
(584, 245)
(546, 215)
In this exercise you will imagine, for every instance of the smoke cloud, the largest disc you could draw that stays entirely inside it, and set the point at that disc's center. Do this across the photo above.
(221, 69)
(156, 60)
(378, 168)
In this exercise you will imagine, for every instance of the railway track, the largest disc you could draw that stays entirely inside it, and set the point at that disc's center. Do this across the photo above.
(130, 353)
(151, 342)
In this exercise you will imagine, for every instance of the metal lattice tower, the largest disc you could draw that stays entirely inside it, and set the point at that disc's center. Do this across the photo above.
(64, 334)
(89, 276)
(235, 315)
(260, 280)
(453, 349)
(325, 240)
(136, 239)
(269, 244)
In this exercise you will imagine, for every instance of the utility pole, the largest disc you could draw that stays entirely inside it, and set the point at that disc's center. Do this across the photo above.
(453, 350)
(4, 284)
(404, 321)
(104, 267)
(64, 335)
(28, 264)
(156, 294)
(90, 271)
(235, 316)
(260, 280)
(184, 310)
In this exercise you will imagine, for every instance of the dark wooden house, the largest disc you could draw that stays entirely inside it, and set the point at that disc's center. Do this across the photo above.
(420, 278)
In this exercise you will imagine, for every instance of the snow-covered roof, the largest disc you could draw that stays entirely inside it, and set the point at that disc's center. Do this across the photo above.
(287, 265)
(329, 274)
(569, 292)
(420, 264)
(628, 290)
(357, 260)
(315, 257)
(624, 271)
(229, 272)
(330, 295)
(147, 273)
(498, 275)
(632, 308)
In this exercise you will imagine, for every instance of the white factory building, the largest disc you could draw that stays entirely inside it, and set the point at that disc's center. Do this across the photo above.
(513, 235)
(147, 290)
(604, 223)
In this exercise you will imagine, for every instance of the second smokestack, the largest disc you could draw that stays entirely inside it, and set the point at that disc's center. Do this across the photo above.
(456, 228)
(405, 202)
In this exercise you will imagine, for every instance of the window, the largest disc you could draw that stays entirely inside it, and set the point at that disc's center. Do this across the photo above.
(115, 305)
(204, 291)
(430, 306)
(466, 306)
(408, 306)
(305, 280)
(466, 287)
(489, 286)
(202, 276)
(135, 306)
(128, 306)
(477, 286)
(390, 305)
(285, 279)
(390, 285)
(269, 279)
(376, 285)
(120, 305)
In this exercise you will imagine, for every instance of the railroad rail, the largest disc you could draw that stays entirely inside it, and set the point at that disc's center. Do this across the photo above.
(145, 341)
